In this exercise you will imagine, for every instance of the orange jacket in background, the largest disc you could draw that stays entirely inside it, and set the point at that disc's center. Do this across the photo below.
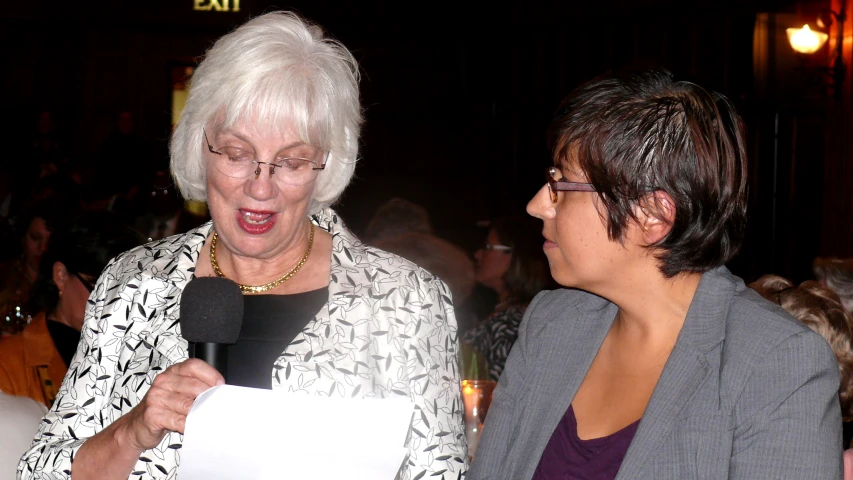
(30, 365)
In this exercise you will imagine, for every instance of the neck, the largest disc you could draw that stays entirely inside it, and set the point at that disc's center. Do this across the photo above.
(31, 273)
(57, 316)
(653, 308)
(259, 271)
(503, 296)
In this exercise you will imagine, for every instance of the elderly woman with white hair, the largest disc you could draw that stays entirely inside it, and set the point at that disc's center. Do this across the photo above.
(269, 140)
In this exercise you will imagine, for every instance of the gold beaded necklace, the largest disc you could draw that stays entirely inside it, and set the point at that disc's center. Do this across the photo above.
(252, 289)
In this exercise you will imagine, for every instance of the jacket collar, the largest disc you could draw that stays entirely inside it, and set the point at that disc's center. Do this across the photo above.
(574, 333)
(691, 363)
(160, 275)
(694, 361)
(169, 265)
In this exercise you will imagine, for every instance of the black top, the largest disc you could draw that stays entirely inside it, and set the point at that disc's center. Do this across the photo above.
(65, 339)
(270, 323)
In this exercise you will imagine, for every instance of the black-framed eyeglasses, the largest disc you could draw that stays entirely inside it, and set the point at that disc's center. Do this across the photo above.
(90, 286)
(238, 163)
(555, 185)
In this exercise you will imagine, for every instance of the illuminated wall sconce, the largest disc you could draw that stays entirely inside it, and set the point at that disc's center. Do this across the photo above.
(808, 41)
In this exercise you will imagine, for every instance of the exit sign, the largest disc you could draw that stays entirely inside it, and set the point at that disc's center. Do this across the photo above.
(217, 5)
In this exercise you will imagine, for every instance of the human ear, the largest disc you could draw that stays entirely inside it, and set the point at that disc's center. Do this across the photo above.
(60, 276)
(655, 214)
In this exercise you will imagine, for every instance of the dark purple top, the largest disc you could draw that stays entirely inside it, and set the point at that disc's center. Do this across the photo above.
(567, 457)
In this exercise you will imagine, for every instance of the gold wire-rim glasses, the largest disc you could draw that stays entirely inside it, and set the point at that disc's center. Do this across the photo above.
(272, 165)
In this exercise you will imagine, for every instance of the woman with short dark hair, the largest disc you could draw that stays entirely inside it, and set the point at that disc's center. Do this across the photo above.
(657, 362)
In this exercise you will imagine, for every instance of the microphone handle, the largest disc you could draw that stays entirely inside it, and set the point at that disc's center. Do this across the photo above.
(215, 354)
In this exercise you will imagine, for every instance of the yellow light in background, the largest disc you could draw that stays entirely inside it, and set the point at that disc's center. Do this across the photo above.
(180, 79)
(179, 100)
(806, 40)
(195, 207)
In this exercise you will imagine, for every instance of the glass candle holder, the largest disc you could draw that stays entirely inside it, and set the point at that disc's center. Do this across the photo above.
(476, 397)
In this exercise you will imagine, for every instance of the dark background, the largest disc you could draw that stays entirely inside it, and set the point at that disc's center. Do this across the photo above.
(457, 96)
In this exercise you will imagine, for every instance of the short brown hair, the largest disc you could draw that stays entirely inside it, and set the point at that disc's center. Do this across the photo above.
(643, 132)
(819, 308)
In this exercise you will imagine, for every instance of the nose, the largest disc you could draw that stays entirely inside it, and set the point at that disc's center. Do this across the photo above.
(478, 255)
(261, 186)
(43, 244)
(541, 206)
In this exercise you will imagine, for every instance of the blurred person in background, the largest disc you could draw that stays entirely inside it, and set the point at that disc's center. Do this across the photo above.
(819, 308)
(512, 264)
(163, 213)
(655, 362)
(9, 242)
(61, 189)
(48, 152)
(33, 227)
(58, 191)
(124, 163)
(438, 256)
(396, 217)
(837, 274)
(404, 228)
(34, 361)
(269, 139)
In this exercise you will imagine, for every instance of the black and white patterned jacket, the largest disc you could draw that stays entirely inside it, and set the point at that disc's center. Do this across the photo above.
(388, 329)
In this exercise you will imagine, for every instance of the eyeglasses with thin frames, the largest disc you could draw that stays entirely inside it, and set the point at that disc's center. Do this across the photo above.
(497, 247)
(238, 163)
(555, 185)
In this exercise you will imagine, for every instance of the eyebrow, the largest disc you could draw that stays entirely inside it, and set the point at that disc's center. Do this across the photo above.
(243, 138)
(563, 167)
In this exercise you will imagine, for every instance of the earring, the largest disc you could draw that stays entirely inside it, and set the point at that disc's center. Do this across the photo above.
(60, 293)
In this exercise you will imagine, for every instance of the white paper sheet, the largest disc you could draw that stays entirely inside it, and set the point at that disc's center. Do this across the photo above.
(247, 433)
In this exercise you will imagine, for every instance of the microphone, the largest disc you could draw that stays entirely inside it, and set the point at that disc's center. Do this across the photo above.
(211, 317)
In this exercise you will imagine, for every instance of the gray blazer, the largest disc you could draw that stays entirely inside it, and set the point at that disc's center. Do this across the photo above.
(747, 393)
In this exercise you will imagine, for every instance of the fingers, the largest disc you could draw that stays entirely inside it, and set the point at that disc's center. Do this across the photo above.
(172, 383)
(168, 402)
(199, 369)
(166, 419)
(178, 386)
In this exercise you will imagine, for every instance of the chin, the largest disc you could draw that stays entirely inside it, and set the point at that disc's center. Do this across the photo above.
(563, 279)
(255, 248)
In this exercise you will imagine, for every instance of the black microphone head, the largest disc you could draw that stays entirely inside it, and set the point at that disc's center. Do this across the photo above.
(211, 311)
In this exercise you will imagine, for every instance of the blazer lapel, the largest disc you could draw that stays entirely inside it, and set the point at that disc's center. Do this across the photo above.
(687, 368)
(685, 371)
(161, 276)
(565, 362)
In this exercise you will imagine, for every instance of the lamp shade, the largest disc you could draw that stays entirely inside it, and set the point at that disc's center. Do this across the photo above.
(806, 40)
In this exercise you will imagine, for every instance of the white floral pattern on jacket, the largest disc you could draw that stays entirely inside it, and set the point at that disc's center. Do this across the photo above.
(388, 329)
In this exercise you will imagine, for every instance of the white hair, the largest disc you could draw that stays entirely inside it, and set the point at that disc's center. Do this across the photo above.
(275, 70)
